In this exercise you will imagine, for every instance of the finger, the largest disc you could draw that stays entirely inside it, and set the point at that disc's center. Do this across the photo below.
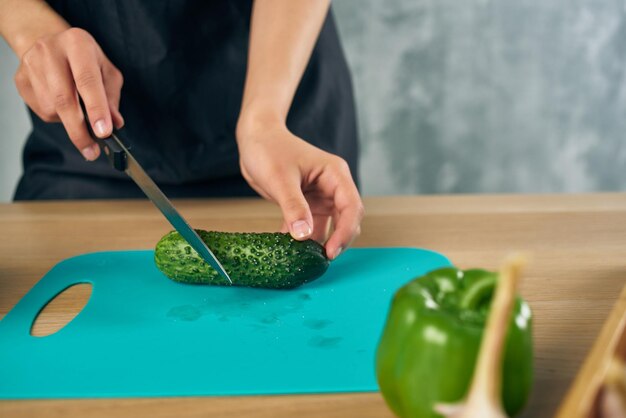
(87, 75)
(321, 227)
(295, 209)
(347, 220)
(62, 88)
(322, 207)
(113, 82)
(117, 118)
(320, 204)
(347, 228)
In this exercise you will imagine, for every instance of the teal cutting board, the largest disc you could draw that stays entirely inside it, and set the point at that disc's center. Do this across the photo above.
(142, 335)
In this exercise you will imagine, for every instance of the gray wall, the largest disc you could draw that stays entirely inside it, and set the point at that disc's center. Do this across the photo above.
(14, 125)
(489, 96)
(470, 96)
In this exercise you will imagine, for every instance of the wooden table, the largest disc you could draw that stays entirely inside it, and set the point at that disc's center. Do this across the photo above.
(578, 243)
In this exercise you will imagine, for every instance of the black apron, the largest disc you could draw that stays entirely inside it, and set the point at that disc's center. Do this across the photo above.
(184, 66)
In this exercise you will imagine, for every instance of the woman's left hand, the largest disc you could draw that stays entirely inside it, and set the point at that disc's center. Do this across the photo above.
(311, 186)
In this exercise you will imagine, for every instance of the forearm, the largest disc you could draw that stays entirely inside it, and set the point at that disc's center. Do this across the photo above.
(282, 36)
(22, 22)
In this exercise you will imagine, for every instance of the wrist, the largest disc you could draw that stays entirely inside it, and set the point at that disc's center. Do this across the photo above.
(23, 23)
(258, 120)
(24, 40)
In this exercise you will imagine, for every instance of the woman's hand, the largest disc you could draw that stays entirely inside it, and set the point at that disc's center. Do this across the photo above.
(60, 67)
(311, 186)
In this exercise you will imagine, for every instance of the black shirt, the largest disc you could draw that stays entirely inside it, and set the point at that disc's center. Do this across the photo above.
(184, 66)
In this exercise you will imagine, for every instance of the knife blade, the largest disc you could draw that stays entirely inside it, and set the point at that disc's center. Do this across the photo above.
(121, 159)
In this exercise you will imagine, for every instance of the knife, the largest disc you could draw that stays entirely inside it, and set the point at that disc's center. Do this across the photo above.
(121, 159)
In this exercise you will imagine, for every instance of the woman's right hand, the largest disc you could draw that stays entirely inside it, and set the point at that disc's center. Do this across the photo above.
(56, 70)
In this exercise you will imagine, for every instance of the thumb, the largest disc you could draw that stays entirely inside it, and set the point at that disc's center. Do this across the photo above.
(296, 213)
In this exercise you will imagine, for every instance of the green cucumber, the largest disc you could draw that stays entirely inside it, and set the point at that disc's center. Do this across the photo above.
(267, 260)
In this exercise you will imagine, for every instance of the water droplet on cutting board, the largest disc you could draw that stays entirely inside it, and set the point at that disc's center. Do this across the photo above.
(317, 323)
(324, 342)
(185, 313)
(270, 319)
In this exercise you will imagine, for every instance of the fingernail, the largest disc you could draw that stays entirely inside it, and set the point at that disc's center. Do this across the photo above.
(90, 153)
(339, 250)
(301, 229)
(100, 127)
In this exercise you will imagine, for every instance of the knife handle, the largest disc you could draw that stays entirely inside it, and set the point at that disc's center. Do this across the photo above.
(114, 153)
(111, 148)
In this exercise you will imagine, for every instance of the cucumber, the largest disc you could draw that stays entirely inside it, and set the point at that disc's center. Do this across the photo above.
(267, 260)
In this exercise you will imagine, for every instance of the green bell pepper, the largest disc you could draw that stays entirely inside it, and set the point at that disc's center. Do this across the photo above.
(430, 343)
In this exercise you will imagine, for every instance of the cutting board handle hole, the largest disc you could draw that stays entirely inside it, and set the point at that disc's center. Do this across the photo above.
(61, 310)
